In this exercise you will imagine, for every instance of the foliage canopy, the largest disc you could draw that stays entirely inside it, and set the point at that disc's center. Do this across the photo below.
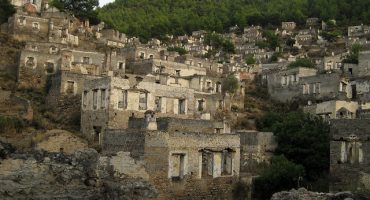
(6, 10)
(353, 54)
(156, 18)
(302, 62)
(281, 175)
(303, 151)
(230, 84)
(179, 50)
(82, 9)
(302, 138)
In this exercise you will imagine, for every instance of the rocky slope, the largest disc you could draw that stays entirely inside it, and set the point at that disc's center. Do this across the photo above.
(303, 194)
(46, 175)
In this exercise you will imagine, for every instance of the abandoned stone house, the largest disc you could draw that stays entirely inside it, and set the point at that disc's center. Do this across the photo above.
(284, 85)
(112, 38)
(140, 52)
(256, 149)
(306, 37)
(178, 148)
(37, 61)
(358, 31)
(55, 27)
(361, 89)
(27, 27)
(109, 102)
(312, 22)
(334, 109)
(306, 84)
(332, 63)
(363, 67)
(252, 34)
(183, 158)
(40, 60)
(36, 3)
(349, 155)
(288, 26)
(326, 87)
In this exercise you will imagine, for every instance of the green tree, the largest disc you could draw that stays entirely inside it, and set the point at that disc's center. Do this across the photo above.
(273, 40)
(82, 9)
(282, 174)
(302, 62)
(228, 46)
(230, 84)
(158, 17)
(179, 50)
(218, 42)
(250, 60)
(353, 54)
(302, 138)
(6, 10)
(330, 36)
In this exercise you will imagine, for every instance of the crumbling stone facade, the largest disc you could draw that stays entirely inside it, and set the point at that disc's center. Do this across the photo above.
(256, 149)
(181, 163)
(285, 85)
(363, 68)
(349, 156)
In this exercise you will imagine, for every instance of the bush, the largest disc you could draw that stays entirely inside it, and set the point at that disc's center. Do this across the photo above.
(179, 50)
(218, 42)
(302, 138)
(353, 55)
(250, 60)
(230, 84)
(281, 175)
(241, 191)
(11, 123)
(302, 62)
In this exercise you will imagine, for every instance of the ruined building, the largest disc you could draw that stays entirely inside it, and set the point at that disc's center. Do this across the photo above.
(349, 155)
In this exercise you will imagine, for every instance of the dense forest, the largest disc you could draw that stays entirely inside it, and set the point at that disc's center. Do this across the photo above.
(155, 18)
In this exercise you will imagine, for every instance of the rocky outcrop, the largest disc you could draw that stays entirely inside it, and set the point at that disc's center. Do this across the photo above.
(45, 175)
(60, 140)
(303, 194)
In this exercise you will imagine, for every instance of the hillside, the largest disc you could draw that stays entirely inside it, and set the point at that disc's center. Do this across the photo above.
(9, 53)
(155, 18)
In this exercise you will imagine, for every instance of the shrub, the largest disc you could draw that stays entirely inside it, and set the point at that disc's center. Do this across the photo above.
(281, 175)
(11, 123)
(179, 50)
(302, 62)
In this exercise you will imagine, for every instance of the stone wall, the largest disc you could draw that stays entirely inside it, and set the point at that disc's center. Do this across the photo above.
(20, 3)
(363, 66)
(28, 28)
(325, 86)
(34, 67)
(124, 165)
(362, 86)
(185, 125)
(286, 84)
(193, 185)
(333, 109)
(147, 66)
(350, 156)
(126, 140)
(255, 148)
(158, 151)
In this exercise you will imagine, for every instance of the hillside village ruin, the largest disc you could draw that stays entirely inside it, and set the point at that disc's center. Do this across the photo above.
(159, 115)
